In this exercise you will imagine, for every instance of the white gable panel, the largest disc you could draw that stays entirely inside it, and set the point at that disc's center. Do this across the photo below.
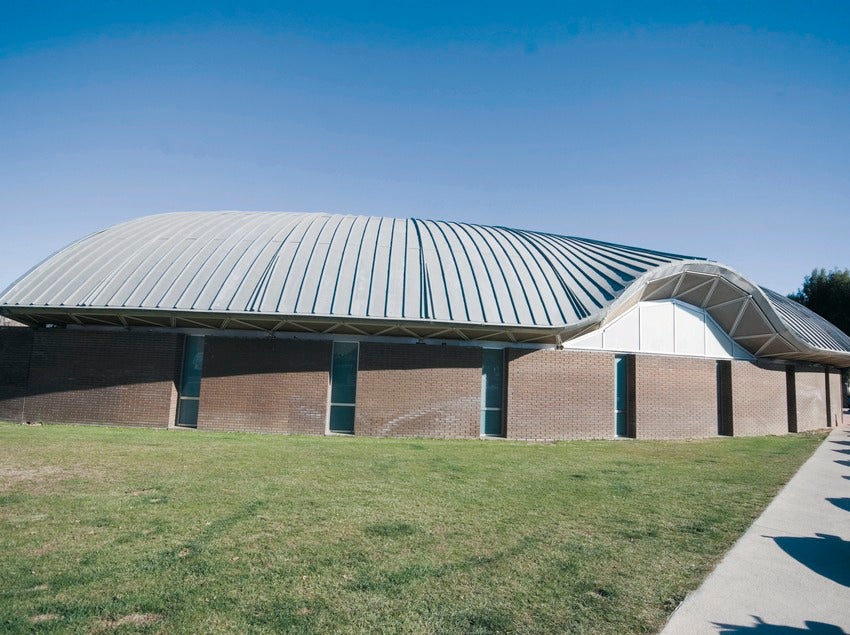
(666, 327)
(656, 327)
(717, 343)
(623, 334)
(689, 330)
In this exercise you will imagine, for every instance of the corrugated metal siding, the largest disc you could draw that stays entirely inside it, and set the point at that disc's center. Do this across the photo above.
(334, 265)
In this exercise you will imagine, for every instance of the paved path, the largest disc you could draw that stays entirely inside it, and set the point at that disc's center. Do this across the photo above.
(789, 574)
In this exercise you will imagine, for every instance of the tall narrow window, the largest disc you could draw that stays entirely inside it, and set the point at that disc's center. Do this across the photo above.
(791, 396)
(190, 381)
(621, 395)
(343, 387)
(492, 392)
(724, 398)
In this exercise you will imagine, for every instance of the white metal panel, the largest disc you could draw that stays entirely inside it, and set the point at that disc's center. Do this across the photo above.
(589, 341)
(657, 326)
(717, 343)
(624, 333)
(690, 331)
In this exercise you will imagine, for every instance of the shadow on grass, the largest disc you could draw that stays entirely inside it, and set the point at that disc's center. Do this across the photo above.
(760, 627)
(393, 581)
(189, 552)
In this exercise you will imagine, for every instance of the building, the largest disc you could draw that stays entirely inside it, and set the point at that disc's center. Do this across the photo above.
(318, 323)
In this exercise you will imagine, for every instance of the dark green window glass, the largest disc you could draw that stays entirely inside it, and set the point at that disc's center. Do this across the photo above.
(343, 387)
(342, 419)
(621, 395)
(492, 392)
(193, 362)
(344, 373)
(493, 369)
(190, 381)
(188, 415)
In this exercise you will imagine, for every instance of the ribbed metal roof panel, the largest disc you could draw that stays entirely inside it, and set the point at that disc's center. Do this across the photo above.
(807, 325)
(338, 268)
(292, 265)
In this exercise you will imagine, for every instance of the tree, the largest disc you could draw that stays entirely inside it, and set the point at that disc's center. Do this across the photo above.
(828, 295)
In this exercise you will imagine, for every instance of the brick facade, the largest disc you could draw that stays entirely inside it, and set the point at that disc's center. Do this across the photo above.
(836, 398)
(759, 399)
(676, 397)
(116, 378)
(264, 385)
(15, 352)
(811, 397)
(418, 390)
(281, 385)
(560, 394)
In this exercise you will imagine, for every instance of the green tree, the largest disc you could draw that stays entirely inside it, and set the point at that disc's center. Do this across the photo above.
(827, 293)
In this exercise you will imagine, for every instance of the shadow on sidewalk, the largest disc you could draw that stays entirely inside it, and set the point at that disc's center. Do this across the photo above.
(760, 627)
(841, 503)
(826, 555)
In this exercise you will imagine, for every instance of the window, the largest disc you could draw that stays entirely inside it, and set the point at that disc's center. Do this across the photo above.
(620, 396)
(343, 387)
(190, 381)
(492, 392)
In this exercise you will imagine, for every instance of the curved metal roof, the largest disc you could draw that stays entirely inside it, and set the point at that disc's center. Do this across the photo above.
(334, 265)
(372, 275)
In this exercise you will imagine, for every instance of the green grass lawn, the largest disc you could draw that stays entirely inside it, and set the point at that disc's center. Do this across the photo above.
(125, 530)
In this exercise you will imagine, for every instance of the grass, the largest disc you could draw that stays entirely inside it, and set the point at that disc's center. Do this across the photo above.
(126, 530)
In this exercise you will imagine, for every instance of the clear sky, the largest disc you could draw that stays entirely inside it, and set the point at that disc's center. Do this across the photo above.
(715, 129)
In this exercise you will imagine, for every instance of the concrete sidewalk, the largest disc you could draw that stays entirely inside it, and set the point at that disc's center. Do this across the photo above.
(789, 574)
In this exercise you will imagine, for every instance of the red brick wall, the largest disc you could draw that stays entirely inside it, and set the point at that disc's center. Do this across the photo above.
(418, 390)
(759, 399)
(15, 350)
(811, 398)
(835, 397)
(676, 397)
(560, 394)
(264, 385)
(111, 377)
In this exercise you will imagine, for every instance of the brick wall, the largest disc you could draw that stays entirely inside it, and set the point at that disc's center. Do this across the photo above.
(15, 350)
(811, 397)
(111, 377)
(835, 397)
(264, 385)
(759, 399)
(560, 394)
(418, 390)
(676, 397)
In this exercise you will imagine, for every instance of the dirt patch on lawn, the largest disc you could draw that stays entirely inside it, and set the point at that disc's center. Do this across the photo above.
(37, 479)
(134, 619)
(44, 617)
(12, 476)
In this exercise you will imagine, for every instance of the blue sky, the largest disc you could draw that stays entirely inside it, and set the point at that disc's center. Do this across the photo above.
(716, 129)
